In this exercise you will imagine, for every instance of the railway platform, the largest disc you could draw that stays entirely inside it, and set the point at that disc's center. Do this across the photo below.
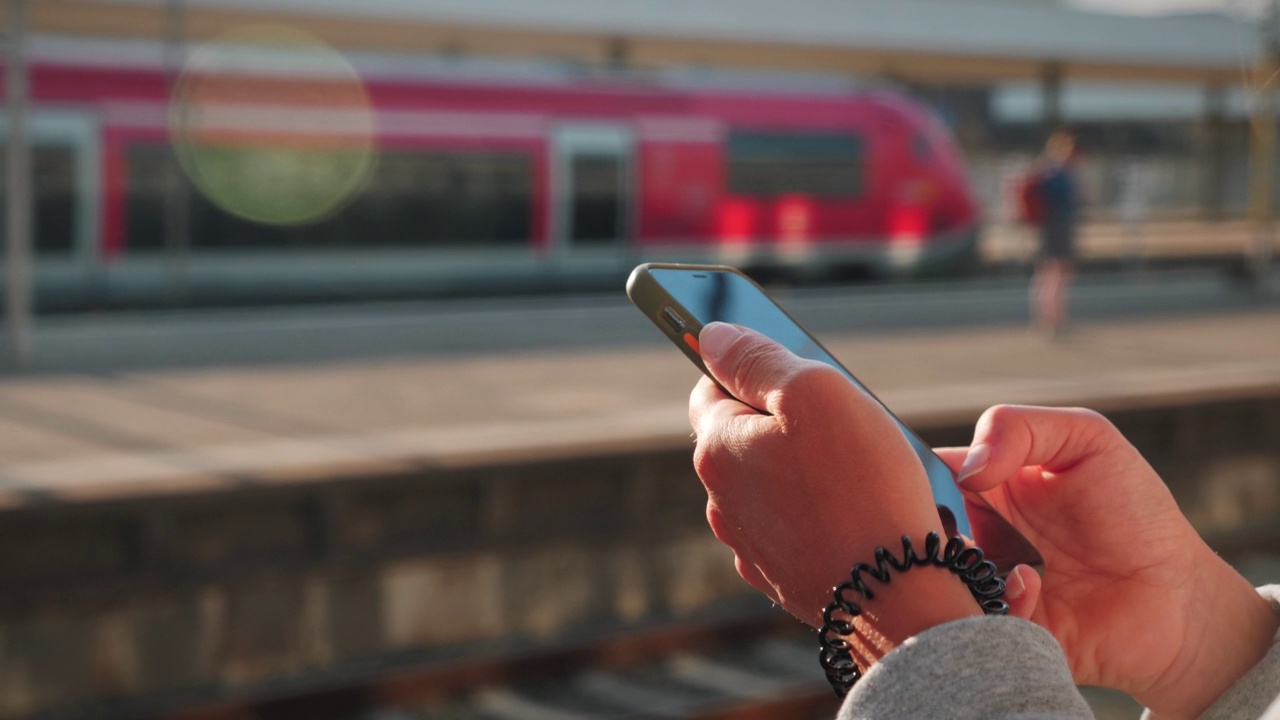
(227, 534)
(85, 437)
(1104, 242)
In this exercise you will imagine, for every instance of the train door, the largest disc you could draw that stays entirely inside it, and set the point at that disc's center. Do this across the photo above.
(66, 192)
(594, 182)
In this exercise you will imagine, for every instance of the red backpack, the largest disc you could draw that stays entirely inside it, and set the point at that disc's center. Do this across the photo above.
(1031, 202)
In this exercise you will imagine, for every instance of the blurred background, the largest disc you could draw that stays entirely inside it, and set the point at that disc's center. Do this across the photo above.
(321, 397)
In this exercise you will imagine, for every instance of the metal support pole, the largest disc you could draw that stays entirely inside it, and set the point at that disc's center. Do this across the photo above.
(18, 290)
(177, 235)
(1261, 180)
(1214, 144)
(1263, 160)
(1051, 89)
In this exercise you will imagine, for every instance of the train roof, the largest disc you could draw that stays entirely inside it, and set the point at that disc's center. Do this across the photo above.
(152, 55)
(1040, 31)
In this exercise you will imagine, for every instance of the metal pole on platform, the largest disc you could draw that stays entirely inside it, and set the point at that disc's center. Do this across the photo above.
(1214, 152)
(1263, 162)
(1051, 94)
(177, 239)
(17, 192)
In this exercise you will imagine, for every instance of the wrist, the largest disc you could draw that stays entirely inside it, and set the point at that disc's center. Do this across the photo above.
(855, 634)
(905, 607)
(1234, 629)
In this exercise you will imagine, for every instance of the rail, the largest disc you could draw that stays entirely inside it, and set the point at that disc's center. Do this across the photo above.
(749, 666)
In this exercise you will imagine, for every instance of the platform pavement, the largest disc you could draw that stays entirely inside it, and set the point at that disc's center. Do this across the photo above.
(79, 438)
(1111, 240)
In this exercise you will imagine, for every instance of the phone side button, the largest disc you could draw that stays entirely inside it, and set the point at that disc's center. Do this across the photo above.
(692, 342)
(673, 319)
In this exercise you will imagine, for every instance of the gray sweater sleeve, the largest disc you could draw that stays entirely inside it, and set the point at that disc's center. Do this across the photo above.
(985, 667)
(1010, 669)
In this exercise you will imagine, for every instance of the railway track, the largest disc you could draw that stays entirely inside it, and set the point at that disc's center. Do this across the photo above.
(752, 666)
(763, 665)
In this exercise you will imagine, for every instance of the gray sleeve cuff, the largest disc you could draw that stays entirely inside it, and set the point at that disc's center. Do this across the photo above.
(980, 668)
(1251, 694)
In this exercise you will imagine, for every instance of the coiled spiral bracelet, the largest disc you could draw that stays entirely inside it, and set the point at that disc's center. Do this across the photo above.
(978, 574)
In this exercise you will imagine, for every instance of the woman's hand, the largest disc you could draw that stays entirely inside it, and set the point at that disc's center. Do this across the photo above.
(802, 493)
(1135, 597)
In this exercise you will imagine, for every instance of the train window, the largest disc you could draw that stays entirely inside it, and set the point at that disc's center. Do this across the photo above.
(412, 199)
(150, 172)
(598, 187)
(822, 165)
(54, 202)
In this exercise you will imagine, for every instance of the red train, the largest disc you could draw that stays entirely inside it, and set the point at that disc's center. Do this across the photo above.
(489, 174)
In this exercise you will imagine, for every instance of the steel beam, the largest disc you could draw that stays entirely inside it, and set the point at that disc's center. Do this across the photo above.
(18, 216)
(1213, 145)
(1262, 161)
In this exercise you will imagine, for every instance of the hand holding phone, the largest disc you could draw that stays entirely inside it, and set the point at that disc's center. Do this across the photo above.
(796, 495)
(681, 299)
(824, 471)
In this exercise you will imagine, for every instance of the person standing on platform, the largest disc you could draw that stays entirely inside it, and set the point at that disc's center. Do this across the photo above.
(1055, 264)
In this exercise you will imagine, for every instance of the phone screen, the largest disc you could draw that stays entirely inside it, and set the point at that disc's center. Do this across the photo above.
(711, 296)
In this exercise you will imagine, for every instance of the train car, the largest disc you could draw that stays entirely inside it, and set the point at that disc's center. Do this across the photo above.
(486, 175)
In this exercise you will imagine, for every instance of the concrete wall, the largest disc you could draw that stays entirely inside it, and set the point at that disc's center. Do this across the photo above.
(212, 593)
(137, 604)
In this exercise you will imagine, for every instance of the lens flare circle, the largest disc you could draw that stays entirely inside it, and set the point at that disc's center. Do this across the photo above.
(272, 125)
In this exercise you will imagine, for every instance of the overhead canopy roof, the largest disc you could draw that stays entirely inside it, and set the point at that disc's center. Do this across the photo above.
(918, 40)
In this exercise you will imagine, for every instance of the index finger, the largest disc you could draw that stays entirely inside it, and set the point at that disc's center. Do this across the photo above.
(952, 456)
(707, 399)
(705, 394)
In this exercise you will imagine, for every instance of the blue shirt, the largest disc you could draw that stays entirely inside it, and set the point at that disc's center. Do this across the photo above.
(1058, 188)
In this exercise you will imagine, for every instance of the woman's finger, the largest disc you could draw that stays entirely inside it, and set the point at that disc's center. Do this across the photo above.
(952, 456)
(1022, 591)
(1010, 437)
(709, 408)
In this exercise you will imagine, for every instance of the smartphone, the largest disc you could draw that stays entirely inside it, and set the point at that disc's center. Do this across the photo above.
(681, 299)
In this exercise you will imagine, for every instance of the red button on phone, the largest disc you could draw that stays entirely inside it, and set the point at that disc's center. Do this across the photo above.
(692, 342)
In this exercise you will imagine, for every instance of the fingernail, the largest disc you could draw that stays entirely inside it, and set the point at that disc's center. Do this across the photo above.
(716, 338)
(1013, 585)
(975, 462)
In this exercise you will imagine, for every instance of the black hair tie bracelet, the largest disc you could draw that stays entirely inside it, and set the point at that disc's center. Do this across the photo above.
(978, 574)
